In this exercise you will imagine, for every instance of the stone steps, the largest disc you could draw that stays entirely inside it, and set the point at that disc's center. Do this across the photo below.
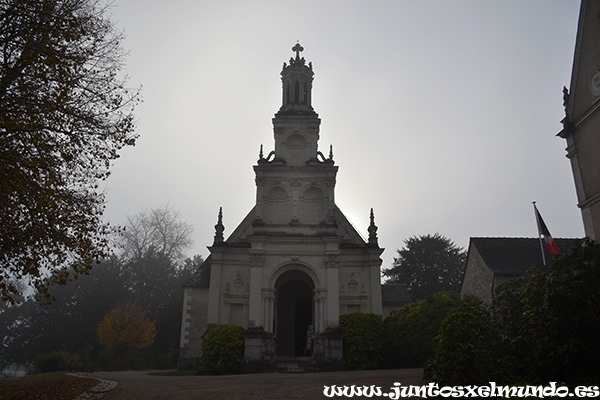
(296, 365)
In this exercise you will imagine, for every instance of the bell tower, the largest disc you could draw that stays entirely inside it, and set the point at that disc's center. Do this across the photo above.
(297, 84)
(295, 182)
(296, 124)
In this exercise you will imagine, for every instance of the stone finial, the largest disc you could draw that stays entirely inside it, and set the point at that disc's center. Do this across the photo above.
(566, 120)
(219, 228)
(260, 153)
(331, 152)
(372, 230)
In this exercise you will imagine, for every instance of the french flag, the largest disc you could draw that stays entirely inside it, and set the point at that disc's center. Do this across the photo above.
(543, 230)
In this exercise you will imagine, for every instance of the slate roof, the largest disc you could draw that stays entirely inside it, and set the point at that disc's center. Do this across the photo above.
(395, 294)
(514, 256)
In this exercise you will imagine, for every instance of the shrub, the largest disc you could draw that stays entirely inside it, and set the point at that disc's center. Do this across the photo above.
(363, 342)
(409, 332)
(222, 350)
(105, 360)
(551, 319)
(465, 348)
(544, 327)
(55, 361)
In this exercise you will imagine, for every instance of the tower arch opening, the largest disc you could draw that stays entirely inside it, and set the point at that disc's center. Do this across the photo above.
(294, 291)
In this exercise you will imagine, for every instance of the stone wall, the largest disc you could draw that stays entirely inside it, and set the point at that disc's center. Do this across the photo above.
(478, 278)
(195, 303)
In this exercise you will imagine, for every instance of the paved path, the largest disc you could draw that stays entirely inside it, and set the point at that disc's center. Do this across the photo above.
(135, 385)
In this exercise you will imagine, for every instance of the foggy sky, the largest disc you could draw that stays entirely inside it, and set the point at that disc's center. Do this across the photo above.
(443, 115)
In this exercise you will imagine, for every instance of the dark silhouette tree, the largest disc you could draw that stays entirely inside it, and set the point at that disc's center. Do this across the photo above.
(32, 328)
(428, 264)
(154, 269)
(65, 113)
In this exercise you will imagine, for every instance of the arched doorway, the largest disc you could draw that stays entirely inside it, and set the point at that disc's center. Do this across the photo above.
(294, 312)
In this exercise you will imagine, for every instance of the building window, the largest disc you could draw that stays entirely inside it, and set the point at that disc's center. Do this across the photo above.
(236, 314)
(296, 92)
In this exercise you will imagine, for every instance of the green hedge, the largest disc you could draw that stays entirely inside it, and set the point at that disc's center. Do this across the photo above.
(543, 327)
(409, 332)
(56, 361)
(222, 350)
(363, 341)
(465, 348)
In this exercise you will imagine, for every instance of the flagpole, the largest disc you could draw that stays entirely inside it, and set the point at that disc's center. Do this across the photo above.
(537, 220)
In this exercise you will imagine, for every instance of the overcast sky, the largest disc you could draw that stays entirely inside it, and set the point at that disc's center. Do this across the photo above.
(442, 114)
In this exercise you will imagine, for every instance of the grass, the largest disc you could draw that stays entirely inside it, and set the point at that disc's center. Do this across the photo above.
(174, 373)
(52, 386)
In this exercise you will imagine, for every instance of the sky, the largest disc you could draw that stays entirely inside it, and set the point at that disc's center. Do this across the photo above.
(442, 114)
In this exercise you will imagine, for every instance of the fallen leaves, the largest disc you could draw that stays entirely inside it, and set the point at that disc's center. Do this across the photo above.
(54, 386)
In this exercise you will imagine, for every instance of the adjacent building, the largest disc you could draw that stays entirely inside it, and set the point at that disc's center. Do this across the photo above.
(492, 262)
(581, 125)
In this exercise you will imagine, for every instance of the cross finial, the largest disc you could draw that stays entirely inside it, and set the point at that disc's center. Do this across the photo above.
(297, 48)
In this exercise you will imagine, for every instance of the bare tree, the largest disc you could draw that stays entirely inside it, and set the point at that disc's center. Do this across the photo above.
(65, 112)
(159, 231)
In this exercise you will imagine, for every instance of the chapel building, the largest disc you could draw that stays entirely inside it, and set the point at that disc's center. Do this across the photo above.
(295, 263)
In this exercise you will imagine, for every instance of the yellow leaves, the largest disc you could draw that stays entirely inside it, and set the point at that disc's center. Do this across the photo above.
(125, 327)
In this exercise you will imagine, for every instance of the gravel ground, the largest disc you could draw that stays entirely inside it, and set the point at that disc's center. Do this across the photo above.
(141, 386)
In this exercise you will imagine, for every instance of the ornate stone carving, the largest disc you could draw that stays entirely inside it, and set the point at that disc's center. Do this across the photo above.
(277, 193)
(313, 193)
(295, 182)
(353, 286)
(238, 284)
(595, 84)
(332, 261)
(257, 260)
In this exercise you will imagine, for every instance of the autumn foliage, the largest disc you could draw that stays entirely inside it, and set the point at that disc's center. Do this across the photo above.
(65, 113)
(126, 327)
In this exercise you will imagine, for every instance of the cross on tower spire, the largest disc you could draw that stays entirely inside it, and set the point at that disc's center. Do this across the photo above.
(297, 48)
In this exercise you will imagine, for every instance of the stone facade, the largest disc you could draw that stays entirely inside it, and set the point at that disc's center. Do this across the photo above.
(582, 120)
(295, 263)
